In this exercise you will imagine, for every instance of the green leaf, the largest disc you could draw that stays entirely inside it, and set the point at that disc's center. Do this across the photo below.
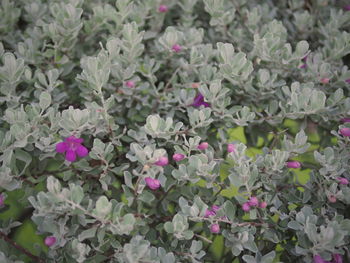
(44, 100)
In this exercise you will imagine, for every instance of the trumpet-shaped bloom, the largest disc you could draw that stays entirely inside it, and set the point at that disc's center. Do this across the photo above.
(162, 161)
(178, 157)
(199, 101)
(72, 147)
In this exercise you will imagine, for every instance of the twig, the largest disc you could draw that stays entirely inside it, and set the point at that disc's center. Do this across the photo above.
(204, 238)
(20, 248)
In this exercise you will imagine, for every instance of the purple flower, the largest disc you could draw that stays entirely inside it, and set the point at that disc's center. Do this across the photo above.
(263, 205)
(246, 207)
(154, 184)
(209, 213)
(162, 161)
(343, 180)
(72, 146)
(337, 258)
(253, 201)
(347, 81)
(203, 146)
(347, 8)
(163, 8)
(344, 120)
(215, 228)
(178, 157)
(215, 208)
(318, 259)
(2, 200)
(345, 132)
(176, 48)
(293, 164)
(130, 84)
(50, 241)
(230, 147)
(199, 101)
(303, 65)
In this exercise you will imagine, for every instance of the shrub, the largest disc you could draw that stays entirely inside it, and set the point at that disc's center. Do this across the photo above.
(176, 131)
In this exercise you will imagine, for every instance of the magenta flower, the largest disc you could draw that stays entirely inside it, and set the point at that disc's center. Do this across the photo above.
(2, 200)
(209, 213)
(347, 81)
(162, 161)
(343, 180)
(347, 8)
(203, 146)
(130, 84)
(345, 120)
(230, 147)
(345, 132)
(215, 208)
(293, 164)
(177, 157)
(337, 258)
(246, 207)
(303, 65)
(50, 241)
(263, 205)
(215, 228)
(163, 8)
(253, 201)
(72, 146)
(176, 48)
(318, 259)
(199, 101)
(325, 80)
(153, 184)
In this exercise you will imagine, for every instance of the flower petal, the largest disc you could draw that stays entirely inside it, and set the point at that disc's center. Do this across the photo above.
(70, 155)
(81, 151)
(61, 147)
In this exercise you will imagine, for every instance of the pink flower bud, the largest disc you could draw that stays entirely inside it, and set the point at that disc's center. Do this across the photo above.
(253, 201)
(345, 120)
(343, 180)
(246, 207)
(2, 200)
(325, 80)
(332, 199)
(50, 241)
(215, 228)
(215, 208)
(195, 85)
(303, 65)
(293, 164)
(230, 147)
(203, 146)
(176, 48)
(162, 161)
(178, 157)
(337, 258)
(345, 132)
(163, 8)
(263, 204)
(130, 84)
(153, 184)
(209, 213)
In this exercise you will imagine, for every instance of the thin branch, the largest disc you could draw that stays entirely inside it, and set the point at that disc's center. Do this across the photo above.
(20, 248)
